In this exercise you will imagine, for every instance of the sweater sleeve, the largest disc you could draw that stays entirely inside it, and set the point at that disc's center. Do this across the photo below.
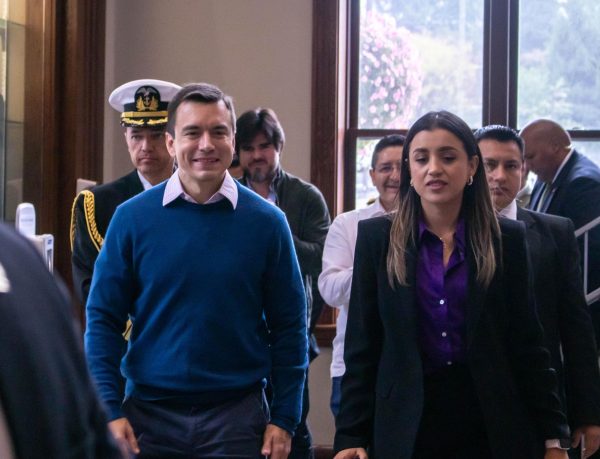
(285, 313)
(111, 296)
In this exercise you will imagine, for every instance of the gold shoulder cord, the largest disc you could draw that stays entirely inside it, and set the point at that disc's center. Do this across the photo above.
(90, 220)
(96, 238)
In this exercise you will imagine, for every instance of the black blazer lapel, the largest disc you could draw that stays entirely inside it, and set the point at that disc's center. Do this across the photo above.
(475, 300)
(408, 293)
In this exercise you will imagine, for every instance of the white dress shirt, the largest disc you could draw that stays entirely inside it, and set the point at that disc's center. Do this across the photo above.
(174, 189)
(145, 183)
(336, 277)
(509, 211)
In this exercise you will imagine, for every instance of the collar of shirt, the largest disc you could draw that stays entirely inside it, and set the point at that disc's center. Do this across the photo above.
(509, 211)
(145, 183)
(272, 196)
(377, 209)
(562, 165)
(459, 234)
(174, 189)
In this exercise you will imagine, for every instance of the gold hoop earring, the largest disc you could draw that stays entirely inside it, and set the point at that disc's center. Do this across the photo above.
(470, 181)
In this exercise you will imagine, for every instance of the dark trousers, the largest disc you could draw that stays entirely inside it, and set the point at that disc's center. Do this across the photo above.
(452, 424)
(232, 429)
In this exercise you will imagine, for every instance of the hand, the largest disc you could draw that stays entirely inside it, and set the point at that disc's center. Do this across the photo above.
(123, 433)
(592, 439)
(277, 442)
(556, 453)
(352, 453)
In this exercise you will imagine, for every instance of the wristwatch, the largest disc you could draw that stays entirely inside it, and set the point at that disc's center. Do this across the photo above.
(562, 443)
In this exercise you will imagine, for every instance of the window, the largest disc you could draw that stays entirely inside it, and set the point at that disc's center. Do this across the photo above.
(489, 61)
(379, 64)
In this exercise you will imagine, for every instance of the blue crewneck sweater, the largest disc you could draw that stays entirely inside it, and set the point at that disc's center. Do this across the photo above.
(216, 300)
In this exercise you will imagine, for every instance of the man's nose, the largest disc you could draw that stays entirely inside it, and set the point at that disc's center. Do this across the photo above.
(146, 144)
(204, 142)
(499, 174)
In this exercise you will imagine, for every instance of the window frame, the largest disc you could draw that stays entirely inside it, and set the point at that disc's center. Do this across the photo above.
(335, 99)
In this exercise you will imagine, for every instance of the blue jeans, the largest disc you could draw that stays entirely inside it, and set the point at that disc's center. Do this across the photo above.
(232, 429)
(336, 395)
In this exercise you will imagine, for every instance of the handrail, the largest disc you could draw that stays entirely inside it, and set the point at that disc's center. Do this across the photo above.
(588, 226)
(593, 296)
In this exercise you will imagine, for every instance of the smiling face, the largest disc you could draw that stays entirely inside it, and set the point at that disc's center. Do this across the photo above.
(440, 168)
(149, 153)
(503, 169)
(259, 159)
(203, 146)
(386, 175)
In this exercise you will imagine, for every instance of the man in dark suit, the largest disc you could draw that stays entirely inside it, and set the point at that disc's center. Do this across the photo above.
(48, 407)
(568, 185)
(143, 106)
(558, 289)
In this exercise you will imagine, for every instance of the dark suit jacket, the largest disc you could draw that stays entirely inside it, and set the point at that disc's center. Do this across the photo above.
(382, 389)
(47, 396)
(564, 314)
(85, 251)
(575, 194)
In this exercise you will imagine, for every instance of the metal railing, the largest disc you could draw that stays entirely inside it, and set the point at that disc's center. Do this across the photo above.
(584, 231)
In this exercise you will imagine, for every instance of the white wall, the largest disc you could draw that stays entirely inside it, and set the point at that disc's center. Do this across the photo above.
(257, 51)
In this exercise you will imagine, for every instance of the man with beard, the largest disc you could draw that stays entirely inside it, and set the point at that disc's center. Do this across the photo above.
(143, 106)
(259, 141)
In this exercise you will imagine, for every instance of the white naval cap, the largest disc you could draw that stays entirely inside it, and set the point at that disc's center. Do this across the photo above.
(143, 103)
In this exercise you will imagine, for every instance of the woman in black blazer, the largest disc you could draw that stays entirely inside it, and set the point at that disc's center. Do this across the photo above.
(443, 350)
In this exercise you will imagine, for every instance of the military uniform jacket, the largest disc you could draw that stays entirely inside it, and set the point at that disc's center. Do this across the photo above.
(92, 211)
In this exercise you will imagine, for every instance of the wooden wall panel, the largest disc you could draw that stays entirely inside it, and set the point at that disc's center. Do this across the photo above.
(64, 102)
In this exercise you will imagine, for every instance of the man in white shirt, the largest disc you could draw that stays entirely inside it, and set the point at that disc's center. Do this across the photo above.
(338, 255)
(558, 289)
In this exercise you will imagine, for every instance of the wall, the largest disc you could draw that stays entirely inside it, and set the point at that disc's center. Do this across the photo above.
(257, 51)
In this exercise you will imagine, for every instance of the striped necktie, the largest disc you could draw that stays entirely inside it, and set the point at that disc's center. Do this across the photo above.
(542, 200)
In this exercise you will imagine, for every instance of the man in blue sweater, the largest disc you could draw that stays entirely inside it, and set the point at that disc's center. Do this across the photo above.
(208, 274)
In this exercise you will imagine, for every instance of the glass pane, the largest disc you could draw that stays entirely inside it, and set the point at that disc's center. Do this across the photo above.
(589, 148)
(365, 191)
(559, 62)
(417, 56)
(12, 104)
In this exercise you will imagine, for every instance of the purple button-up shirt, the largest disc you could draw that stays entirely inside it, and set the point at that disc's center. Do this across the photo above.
(441, 298)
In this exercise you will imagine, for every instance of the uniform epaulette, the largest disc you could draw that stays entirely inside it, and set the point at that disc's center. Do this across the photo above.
(90, 219)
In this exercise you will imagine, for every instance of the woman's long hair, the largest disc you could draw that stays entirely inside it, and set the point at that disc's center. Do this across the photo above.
(477, 209)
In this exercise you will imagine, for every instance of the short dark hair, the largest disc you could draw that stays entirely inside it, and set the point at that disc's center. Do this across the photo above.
(254, 122)
(500, 133)
(204, 93)
(392, 140)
